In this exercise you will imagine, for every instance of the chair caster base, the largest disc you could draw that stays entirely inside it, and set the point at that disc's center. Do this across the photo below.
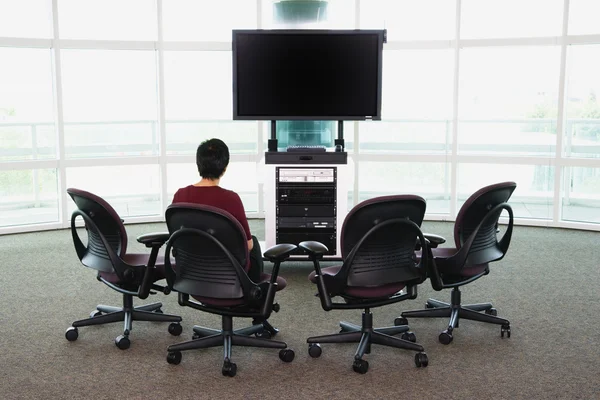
(122, 342)
(174, 357)
(72, 334)
(314, 350)
(175, 328)
(287, 355)
(229, 368)
(410, 336)
(360, 366)
(446, 337)
(421, 360)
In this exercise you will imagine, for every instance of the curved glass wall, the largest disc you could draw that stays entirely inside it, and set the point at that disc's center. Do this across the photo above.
(474, 92)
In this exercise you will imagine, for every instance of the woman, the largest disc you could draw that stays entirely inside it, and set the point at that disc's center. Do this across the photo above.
(212, 158)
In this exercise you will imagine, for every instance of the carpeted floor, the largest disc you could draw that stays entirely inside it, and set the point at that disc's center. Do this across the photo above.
(547, 286)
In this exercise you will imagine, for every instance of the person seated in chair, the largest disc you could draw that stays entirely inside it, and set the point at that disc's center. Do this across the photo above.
(212, 158)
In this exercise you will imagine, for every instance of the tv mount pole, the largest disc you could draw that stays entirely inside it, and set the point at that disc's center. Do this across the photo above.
(272, 145)
(340, 139)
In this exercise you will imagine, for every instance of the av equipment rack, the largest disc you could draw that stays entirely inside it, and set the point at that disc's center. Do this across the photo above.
(306, 205)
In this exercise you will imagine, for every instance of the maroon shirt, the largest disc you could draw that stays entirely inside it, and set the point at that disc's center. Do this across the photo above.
(215, 196)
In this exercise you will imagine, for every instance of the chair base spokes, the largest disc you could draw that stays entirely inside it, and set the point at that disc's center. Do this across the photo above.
(128, 313)
(365, 336)
(206, 337)
(455, 312)
(261, 329)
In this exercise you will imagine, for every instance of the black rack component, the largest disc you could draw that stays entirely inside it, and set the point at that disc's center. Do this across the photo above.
(306, 205)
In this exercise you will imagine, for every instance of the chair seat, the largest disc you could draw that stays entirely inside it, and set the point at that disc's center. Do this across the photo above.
(138, 259)
(440, 255)
(360, 291)
(281, 284)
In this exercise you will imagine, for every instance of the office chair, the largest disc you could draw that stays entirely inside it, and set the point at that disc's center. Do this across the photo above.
(379, 267)
(132, 275)
(211, 255)
(477, 245)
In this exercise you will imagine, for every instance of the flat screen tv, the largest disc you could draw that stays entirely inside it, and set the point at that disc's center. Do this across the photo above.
(307, 74)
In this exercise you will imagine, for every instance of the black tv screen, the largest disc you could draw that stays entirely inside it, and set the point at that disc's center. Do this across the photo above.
(307, 74)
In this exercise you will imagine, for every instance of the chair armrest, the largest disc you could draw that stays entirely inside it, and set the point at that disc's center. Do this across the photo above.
(154, 239)
(434, 240)
(313, 248)
(279, 252)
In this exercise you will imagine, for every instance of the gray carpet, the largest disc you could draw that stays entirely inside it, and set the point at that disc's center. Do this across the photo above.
(547, 286)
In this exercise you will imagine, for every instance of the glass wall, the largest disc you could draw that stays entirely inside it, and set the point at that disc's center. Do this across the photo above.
(474, 92)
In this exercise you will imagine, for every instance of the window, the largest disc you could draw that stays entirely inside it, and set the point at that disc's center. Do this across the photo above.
(533, 197)
(429, 180)
(132, 190)
(583, 17)
(481, 19)
(409, 19)
(508, 100)
(582, 128)
(416, 104)
(581, 195)
(107, 19)
(28, 196)
(206, 20)
(27, 130)
(199, 105)
(26, 19)
(109, 102)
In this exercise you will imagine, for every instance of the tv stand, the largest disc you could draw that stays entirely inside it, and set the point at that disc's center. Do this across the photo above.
(306, 196)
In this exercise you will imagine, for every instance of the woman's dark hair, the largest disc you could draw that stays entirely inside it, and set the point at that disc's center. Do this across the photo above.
(212, 157)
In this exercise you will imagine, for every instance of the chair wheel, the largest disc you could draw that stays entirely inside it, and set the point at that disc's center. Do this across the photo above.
(95, 313)
(445, 337)
(505, 329)
(421, 360)
(427, 305)
(72, 334)
(175, 328)
(314, 350)
(400, 321)
(264, 334)
(360, 366)
(122, 342)
(492, 311)
(229, 368)
(196, 336)
(286, 355)
(411, 337)
(174, 357)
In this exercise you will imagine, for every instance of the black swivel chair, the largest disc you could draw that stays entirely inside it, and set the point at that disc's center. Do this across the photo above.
(378, 240)
(477, 245)
(132, 275)
(211, 255)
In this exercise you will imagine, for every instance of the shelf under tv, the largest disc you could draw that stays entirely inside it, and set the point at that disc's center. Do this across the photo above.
(284, 157)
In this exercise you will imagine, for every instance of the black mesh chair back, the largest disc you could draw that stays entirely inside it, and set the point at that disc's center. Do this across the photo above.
(106, 221)
(211, 251)
(378, 241)
(481, 210)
